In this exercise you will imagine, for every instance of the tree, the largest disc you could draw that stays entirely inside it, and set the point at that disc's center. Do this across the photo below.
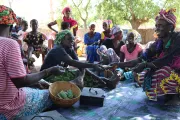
(85, 8)
(136, 12)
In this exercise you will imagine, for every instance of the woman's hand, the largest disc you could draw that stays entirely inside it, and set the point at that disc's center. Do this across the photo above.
(139, 67)
(56, 70)
(98, 67)
(43, 84)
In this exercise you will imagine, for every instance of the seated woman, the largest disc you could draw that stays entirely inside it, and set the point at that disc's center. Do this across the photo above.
(34, 40)
(116, 42)
(107, 56)
(106, 34)
(16, 95)
(64, 55)
(91, 39)
(159, 65)
(132, 50)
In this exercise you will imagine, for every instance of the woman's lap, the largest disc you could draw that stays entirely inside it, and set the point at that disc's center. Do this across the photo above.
(160, 85)
(36, 102)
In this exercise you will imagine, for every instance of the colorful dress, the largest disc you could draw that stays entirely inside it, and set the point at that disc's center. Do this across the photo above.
(133, 55)
(165, 80)
(36, 41)
(91, 49)
(73, 23)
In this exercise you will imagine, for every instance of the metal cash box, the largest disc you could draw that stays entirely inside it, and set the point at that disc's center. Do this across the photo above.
(92, 96)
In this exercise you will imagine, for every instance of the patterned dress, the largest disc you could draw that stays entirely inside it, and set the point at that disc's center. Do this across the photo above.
(36, 41)
(165, 79)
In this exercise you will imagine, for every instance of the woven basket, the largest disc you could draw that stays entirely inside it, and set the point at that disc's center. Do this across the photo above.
(56, 87)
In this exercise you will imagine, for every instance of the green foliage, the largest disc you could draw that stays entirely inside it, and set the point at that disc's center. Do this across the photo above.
(138, 11)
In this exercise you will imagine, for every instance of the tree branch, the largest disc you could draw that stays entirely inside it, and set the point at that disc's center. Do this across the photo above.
(78, 9)
(86, 9)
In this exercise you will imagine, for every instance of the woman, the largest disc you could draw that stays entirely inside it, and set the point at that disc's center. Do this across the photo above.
(132, 49)
(34, 40)
(91, 39)
(64, 55)
(107, 25)
(161, 61)
(16, 95)
(116, 42)
(107, 56)
(66, 18)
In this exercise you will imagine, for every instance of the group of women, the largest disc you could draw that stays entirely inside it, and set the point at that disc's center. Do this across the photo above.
(156, 69)
(111, 38)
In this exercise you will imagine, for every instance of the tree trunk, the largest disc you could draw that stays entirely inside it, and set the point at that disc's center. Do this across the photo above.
(85, 24)
(135, 24)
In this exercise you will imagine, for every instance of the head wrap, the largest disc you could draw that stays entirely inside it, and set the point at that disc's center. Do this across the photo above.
(7, 16)
(115, 29)
(92, 23)
(61, 36)
(168, 16)
(102, 49)
(137, 36)
(109, 23)
(65, 9)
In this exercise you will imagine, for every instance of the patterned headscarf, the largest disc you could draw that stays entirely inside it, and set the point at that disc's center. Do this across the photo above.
(116, 29)
(167, 15)
(61, 36)
(109, 23)
(7, 16)
(65, 9)
(137, 36)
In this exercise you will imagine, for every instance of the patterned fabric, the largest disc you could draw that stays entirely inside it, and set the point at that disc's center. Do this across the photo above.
(7, 16)
(164, 81)
(133, 55)
(61, 36)
(167, 15)
(36, 101)
(36, 41)
(125, 102)
(106, 35)
(107, 53)
(11, 66)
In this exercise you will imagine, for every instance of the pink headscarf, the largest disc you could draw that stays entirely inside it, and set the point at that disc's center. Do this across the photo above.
(65, 9)
(167, 15)
(109, 23)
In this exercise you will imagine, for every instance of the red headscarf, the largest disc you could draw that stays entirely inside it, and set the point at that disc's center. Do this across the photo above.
(168, 16)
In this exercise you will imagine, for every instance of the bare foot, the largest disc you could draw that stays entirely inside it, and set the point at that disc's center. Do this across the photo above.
(136, 78)
(172, 100)
(79, 80)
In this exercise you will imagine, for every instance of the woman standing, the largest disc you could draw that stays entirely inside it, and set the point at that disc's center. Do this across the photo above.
(91, 39)
(66, 18)
(132, 49)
